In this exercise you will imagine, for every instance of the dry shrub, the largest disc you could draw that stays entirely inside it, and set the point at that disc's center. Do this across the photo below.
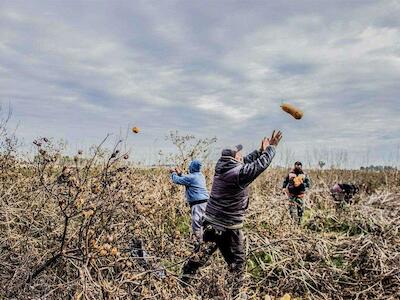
(74, 230)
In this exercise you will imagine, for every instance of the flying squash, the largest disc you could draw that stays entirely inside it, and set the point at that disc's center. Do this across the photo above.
(135, 129)
(290, 109)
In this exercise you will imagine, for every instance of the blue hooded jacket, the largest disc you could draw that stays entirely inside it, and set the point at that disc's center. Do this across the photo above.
(194, 182)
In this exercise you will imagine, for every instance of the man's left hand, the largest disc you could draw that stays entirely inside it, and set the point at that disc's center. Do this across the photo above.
(264, 144)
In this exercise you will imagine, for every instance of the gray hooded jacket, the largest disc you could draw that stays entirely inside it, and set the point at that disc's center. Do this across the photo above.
(229, 193)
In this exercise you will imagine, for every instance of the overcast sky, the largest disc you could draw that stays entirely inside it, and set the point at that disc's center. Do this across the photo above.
(78, 70)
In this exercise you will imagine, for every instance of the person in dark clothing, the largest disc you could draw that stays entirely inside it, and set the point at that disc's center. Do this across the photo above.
(225, 211)
(295, 185)
(343, 193)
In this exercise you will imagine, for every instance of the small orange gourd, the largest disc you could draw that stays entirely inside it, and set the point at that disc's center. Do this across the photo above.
(135, 129)
(290, 109)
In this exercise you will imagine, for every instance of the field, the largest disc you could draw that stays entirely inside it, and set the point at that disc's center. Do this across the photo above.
(77, 230)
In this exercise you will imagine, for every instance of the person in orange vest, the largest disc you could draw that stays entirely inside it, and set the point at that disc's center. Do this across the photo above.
(295, 185)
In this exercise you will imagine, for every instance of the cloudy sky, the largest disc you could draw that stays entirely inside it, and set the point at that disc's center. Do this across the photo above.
(78, 70)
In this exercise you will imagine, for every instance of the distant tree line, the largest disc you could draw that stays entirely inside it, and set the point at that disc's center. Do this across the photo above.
(378, 168)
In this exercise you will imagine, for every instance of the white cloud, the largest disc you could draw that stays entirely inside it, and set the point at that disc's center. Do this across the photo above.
(191, 67)
(217, 107)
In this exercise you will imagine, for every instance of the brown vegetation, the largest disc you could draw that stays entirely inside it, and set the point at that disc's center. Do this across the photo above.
(77, 230)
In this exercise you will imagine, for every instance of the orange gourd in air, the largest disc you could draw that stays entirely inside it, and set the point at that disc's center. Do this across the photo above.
(290, 109)
(135, 129)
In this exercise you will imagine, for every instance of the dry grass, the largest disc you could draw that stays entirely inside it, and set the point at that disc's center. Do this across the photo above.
(68, 234)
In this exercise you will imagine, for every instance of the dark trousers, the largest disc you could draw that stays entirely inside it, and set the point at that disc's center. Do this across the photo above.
(230, 242)
(296, 208)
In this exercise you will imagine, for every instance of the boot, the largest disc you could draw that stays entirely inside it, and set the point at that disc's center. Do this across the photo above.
(236, 282)
(189, 271)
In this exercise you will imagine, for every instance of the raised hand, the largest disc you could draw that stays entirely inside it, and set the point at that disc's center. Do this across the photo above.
(275, 138)
(178, 170)
(264, 144)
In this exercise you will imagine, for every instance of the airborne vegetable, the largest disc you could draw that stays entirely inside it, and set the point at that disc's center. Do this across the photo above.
(290, 109)
(135, 129)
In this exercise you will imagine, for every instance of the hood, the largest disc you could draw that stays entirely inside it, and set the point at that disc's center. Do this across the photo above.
(195, 166)
(225, 163)
(336, 189)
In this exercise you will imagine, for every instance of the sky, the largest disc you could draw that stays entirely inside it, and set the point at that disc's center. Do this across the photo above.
(78, 70)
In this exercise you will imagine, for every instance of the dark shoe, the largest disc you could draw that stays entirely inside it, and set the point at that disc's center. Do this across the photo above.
(196, 247)
(184, 280)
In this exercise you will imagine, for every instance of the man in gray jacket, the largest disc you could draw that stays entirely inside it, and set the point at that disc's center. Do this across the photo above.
(226, 209)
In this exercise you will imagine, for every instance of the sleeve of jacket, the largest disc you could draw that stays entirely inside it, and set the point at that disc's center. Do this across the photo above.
(250, 171)
(182, 180)
(251, 157)
(307, 182)
(285, 182)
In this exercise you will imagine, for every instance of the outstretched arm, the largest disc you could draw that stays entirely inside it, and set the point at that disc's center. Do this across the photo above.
(180, 179)
(307, 182)
(252, 170)
(249, 158)
(257, 153)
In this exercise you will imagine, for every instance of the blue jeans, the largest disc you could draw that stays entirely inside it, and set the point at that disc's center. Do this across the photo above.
(197, 212)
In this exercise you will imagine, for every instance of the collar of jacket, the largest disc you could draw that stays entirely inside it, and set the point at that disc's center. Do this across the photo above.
(231, 158)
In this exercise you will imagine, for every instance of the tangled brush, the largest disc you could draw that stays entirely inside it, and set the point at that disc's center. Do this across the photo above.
(94, 227)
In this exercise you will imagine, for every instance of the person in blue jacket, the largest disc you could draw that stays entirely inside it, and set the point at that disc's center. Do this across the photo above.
(196, 194)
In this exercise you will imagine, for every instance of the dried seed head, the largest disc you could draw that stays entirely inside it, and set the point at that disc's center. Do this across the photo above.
(114, 251)
(107, 247)
(95, 189)
(129, 264)
(66, 171)
(88, 213)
